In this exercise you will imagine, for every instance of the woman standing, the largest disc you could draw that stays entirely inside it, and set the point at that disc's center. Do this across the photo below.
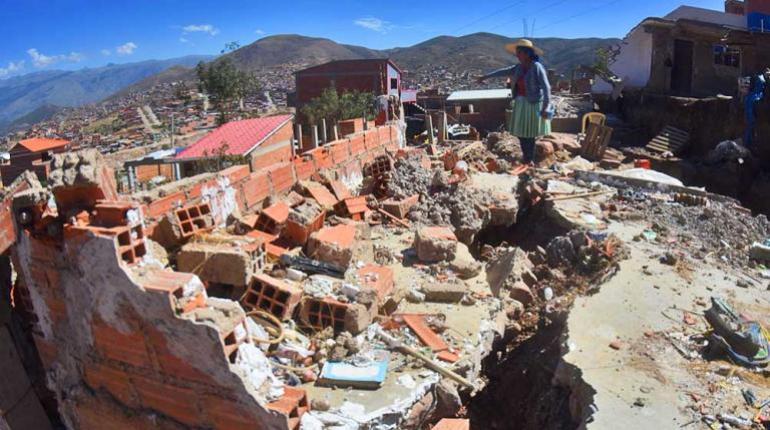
(530, 118)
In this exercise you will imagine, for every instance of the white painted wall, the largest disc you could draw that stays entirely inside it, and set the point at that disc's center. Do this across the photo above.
(633, 64)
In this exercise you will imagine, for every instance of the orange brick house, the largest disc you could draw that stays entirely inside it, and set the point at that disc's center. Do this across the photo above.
(34, 155)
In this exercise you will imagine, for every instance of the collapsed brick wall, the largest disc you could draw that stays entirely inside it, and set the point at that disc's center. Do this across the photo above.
(118, 351)
(248, 190)
(117, 354)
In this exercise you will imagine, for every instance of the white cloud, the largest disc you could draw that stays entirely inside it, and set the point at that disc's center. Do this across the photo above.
(201, 28)
(106, 52)
(41, 60)
(183, 39)
(126, 48)
(12, 68)
(374, 24)
(259, 32)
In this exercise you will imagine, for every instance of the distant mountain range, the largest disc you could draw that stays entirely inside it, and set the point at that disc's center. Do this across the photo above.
(41, 93)
(37, 94)
(479, 51)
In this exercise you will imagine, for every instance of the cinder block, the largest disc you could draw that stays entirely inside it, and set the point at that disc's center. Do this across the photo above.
(351, 126)
(116, 345)
(321, 158)
(272, 219)
(217, 262)
(293, 404)
(381, 164)
(194, 219)
(340, 151)
(271, 295)
(281, 178)
(372, 139)
(304, 168)
(357, 144)
(158, 208)
(400, 208)
(333, 245)
(235, 174)
(176, 402)
(299, 234)
(321, 194)
(231, 341)
(256, 188)
(352, 207)
(113, 380)
(113, 213)
(339, 189)
(322, 313)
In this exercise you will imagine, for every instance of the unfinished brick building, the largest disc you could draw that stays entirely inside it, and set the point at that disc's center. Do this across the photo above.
(376, 76)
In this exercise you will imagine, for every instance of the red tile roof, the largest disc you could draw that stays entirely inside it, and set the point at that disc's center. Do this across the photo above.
(39, 144)
(241, 137)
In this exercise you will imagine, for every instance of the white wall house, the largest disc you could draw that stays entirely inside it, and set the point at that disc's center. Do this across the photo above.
(634, 62)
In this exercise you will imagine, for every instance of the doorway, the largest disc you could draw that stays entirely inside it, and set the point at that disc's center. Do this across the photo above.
(681, 73)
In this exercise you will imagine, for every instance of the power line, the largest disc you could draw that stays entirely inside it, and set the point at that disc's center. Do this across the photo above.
(554, 4)
(577, 15)
(497, 12)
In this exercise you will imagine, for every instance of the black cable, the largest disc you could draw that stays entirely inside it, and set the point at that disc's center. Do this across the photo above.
(585, 12)
(554, 4)
(499, 11)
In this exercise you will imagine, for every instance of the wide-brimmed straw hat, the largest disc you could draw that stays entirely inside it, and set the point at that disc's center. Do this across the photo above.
(523, 43)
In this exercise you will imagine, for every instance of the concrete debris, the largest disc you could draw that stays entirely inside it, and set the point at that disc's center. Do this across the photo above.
(305, 212)
(445, 292)
(76, 169)
(409, 177)
(464, 265)
(443, 259)
(434, 244)
(220, 259)
(507, 268)
(561, 252)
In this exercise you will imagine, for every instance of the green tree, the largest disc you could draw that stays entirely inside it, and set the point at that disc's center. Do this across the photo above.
(333, 107)
(605, 57)
(230, 47)
(225, 84)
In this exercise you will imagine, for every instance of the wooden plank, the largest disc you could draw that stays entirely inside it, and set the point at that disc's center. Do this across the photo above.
(597, 139)
(675, 132)
(658, 148)
(670, 139)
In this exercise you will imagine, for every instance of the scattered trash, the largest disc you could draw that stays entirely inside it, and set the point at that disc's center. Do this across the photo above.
(745, 342)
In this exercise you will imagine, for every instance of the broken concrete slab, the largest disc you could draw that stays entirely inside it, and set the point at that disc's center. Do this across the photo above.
(508, 267)
(221, 259)
(435, 244)
(445, 292)
(333, 245)
(464, 265)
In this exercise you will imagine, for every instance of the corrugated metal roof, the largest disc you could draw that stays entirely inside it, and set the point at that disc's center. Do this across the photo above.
(502, 93)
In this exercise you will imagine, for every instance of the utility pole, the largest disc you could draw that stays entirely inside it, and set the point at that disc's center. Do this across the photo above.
(172, 129)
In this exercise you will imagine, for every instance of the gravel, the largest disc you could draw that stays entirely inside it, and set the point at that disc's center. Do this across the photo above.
(714, 229)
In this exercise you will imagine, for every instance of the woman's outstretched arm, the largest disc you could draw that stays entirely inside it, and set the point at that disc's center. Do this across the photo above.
(505, 71)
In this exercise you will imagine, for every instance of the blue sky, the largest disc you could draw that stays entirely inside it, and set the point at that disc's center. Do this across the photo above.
(58, 34)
